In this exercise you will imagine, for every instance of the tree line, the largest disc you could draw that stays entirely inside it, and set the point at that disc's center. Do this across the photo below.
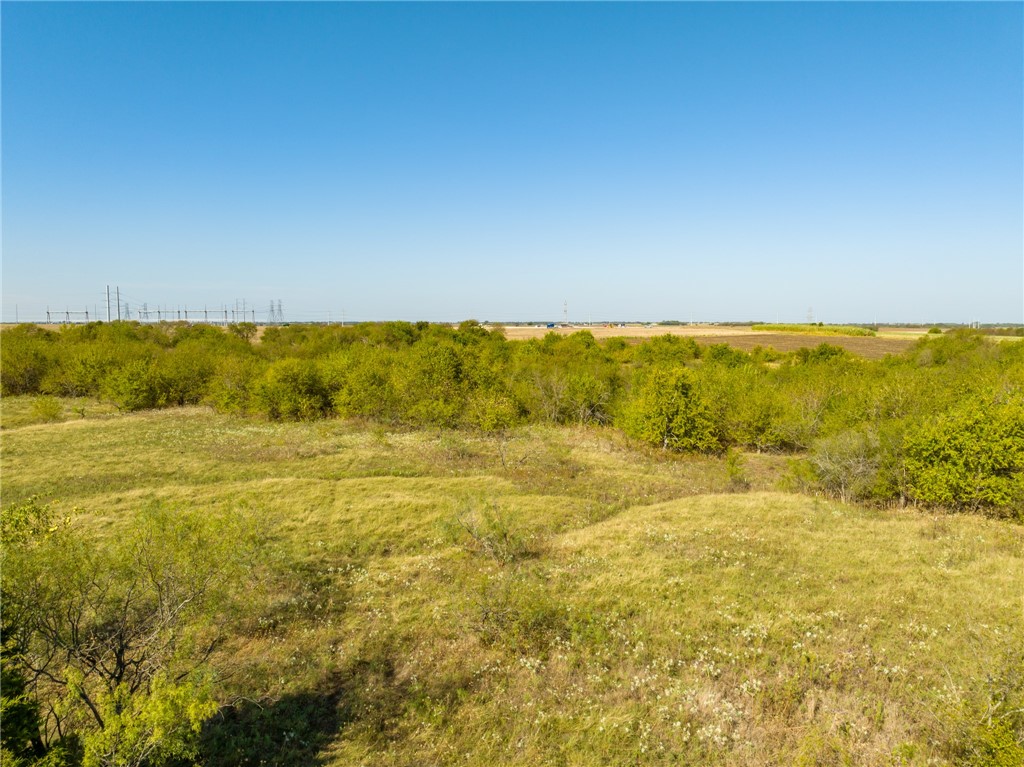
(941, 424)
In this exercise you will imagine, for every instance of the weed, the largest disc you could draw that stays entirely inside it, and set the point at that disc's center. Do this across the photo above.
(47, 409)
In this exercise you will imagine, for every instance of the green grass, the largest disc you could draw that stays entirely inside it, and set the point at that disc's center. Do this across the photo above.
(815, 330)
(638, 613)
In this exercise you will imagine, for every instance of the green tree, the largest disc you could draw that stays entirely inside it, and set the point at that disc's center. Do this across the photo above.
(114, 637)
(970, 457)
(665, 410)
(292, 390)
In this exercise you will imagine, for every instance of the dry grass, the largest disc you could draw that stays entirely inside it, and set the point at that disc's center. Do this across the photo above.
(638, 614)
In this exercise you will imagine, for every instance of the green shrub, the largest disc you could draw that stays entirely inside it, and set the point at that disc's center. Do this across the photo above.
(231, 384)
(26, 356)
(491, 411)
(292, 390)
(185, 372)
(846, 464)
(491, 531)
(735, 471)
(667, 412)
(429, 384)
(821, 353)
(47, 409)
(135, 386)
(360, 381)
(970, 457)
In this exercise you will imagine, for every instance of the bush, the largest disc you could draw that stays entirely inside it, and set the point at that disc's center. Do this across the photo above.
(491, 411)
(26, 355)
(429, 384)
(47, 409)
(360, 381)
(231, 385)
(970, 457)
(292, 390)
(492, 532)
(667, 412)
(846, 464)
(135, 386)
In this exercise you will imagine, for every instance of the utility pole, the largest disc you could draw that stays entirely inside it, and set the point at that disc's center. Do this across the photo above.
(108, 303)
(119, 304)
(565, 312)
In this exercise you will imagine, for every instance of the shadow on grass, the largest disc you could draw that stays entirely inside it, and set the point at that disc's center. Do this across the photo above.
(290, 731)
(365, 700)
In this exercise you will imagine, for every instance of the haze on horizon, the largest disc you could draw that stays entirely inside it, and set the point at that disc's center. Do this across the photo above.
(446, 161)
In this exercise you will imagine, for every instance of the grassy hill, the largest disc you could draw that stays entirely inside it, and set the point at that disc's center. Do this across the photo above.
(560, 596)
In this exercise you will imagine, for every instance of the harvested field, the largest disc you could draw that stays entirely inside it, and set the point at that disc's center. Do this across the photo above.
(739, 336)
(869, 348)
(515, 333)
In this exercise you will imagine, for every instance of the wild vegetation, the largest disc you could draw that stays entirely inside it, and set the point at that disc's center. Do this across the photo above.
(942, 424)
(406, 545)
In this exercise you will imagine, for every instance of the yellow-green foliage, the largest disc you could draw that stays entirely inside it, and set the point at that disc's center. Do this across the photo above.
(971, 456)
(859, 421)
(558, 595)
(666, 411)
(816, 330)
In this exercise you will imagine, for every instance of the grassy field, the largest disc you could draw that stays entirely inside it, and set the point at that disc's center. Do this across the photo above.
(557, 596)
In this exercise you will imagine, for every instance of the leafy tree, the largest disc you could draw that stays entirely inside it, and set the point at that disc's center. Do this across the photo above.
(114, 637)
(231, 385)
(244, 330)
(26, 356)
(971, 457)
(360, 381)
(666, 411)
(821, 353)
(135, 386)
(429, 383)
(492, 411)
(292, 390)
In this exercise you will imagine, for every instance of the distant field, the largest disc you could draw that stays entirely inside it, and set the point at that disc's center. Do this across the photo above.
(815, 330)
(869, 348)
(558, 596)
(739, 336)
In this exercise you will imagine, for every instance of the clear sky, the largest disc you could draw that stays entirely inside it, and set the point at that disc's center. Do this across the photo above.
(445, 161)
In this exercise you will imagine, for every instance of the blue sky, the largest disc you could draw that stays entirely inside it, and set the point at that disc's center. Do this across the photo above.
(444, 161)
